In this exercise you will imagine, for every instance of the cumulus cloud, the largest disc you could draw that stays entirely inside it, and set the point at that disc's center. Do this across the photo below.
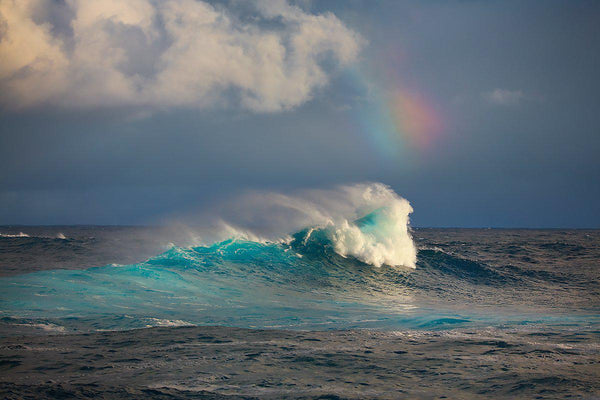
(167, 53)
(504, 97)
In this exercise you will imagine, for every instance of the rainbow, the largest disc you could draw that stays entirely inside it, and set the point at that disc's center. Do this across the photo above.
(397, 120)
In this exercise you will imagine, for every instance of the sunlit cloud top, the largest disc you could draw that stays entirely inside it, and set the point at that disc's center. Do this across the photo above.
(91, 53)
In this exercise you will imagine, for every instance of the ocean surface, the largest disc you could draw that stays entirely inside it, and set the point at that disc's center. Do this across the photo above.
(463, 278)
(509, 312)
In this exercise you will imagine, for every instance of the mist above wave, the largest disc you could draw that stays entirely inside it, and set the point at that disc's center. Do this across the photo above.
(367, 221)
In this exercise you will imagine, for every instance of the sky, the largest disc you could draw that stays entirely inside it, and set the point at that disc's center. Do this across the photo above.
(480, 113)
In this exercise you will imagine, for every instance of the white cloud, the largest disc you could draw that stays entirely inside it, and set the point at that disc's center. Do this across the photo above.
(165, 53)
(504, 97)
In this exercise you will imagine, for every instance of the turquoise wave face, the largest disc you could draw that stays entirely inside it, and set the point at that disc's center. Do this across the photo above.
(234, 282)
(301, 285)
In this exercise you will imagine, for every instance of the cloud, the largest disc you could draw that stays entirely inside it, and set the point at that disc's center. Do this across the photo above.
(168, 53)
(504, 97)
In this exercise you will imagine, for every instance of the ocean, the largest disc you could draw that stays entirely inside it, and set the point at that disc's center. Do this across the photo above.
(484, 312)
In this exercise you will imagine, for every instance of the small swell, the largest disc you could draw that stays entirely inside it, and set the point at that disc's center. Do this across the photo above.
(436, 261)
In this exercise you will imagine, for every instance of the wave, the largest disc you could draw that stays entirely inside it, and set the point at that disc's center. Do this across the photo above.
(351, 263)
(59, 235)
(330, 275)
(433, 261)
(369, 222)
(14, 235)
(302, 284)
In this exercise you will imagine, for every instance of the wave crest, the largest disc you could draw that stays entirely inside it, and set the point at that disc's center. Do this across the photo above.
(368, 221)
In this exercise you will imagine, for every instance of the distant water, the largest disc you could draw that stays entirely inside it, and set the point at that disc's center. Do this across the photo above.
(464, 278)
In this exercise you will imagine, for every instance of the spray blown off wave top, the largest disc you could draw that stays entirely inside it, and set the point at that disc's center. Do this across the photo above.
(366, 221)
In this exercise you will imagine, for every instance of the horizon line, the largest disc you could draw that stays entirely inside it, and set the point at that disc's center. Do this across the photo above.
(412, 227)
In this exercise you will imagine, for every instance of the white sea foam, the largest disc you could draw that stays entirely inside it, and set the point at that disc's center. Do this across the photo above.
(386, 240)
(12, 235)
(47, 327)
(59, 235)
(167, 322)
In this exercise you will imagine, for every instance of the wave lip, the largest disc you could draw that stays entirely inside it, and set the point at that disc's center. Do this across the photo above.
(381, 237)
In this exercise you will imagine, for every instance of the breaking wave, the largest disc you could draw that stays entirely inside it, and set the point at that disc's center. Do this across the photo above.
(351, 263)
(19, 235)
(369, 222)
(331, 271)
(14, 235)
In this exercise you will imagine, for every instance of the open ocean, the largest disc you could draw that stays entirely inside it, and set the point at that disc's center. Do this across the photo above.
(484, 313)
